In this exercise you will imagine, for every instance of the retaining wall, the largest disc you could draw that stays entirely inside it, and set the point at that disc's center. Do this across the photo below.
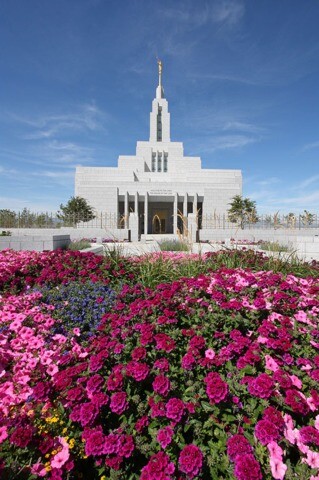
(74, 233)
(34, 242)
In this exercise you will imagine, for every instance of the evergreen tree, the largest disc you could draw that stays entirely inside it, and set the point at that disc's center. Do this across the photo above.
(76, 210)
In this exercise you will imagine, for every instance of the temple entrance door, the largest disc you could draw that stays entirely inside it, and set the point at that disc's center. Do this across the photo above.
(159, 221)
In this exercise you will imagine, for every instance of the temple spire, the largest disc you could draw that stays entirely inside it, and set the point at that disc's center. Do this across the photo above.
(160, 90)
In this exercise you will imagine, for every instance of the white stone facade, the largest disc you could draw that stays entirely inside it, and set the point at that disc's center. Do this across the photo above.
(158, 185)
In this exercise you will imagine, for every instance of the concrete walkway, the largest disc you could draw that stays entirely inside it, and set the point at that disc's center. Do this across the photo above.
(134, 249)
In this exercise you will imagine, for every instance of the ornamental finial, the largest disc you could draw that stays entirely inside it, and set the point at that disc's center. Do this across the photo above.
(160, 68)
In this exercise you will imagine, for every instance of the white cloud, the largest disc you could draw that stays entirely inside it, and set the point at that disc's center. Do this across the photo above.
(309, 181)
(225, 142)
(219, 12)
(310, 146)
(86, 117)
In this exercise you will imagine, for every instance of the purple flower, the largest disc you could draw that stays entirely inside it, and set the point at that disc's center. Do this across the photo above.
(190, 460)
(118, 402)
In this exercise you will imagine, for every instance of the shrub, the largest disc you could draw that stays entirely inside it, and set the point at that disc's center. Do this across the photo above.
(79, 244)
(274, 247)
(173, 246)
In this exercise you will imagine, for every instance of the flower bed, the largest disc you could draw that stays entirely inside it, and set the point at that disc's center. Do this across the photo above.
(24, 269)
(214, 376)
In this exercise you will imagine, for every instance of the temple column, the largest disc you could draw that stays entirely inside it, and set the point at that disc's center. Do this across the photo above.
(116, 222)
(136, 203)
(185, 205)
(126, 205)
(195, 203)
(146, 214)
(175, 213)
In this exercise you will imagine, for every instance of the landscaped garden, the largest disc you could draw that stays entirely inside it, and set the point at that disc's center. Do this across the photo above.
(171, 366)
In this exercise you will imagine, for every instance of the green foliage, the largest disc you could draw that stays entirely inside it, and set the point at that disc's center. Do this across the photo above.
(7, 218)
(79, 245)
(5, 233)
(274, 247)
(307, 218)
(76, 210)
(173, 246)
(242, 211)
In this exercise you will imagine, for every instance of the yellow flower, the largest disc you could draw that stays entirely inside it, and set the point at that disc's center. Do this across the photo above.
(71, 443)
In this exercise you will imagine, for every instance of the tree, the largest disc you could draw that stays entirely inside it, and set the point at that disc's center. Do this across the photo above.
(8, 218)
(242, 210)
(307, 218)
(76, 210)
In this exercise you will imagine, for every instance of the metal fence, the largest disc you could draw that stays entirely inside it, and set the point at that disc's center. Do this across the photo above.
(290, 221)
(27, 219)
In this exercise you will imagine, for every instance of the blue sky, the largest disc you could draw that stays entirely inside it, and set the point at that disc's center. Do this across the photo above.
(77, 78)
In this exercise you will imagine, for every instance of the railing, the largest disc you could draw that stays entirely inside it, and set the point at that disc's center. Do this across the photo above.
(28, 219)
(106, 220)
(294, 222)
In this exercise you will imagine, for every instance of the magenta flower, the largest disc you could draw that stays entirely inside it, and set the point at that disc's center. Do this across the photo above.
(190, 460)
(161, 385)
(238, 445)
(216, 388)
(174, 409)
(266, 432)
(261, 386)
(164, 436)
(118, 402)
(247, 468)
(159, 467)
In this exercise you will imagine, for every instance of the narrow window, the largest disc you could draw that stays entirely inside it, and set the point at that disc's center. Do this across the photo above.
(159, 124)
(165, 161)
(153, 162)
(159, 162)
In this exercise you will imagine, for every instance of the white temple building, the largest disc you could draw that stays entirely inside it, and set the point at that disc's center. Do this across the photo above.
(157, 189)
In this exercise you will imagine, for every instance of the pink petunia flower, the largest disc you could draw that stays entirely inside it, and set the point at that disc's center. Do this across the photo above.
(3, 434)
(278, 468)
(61, 457)
(210, 353)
